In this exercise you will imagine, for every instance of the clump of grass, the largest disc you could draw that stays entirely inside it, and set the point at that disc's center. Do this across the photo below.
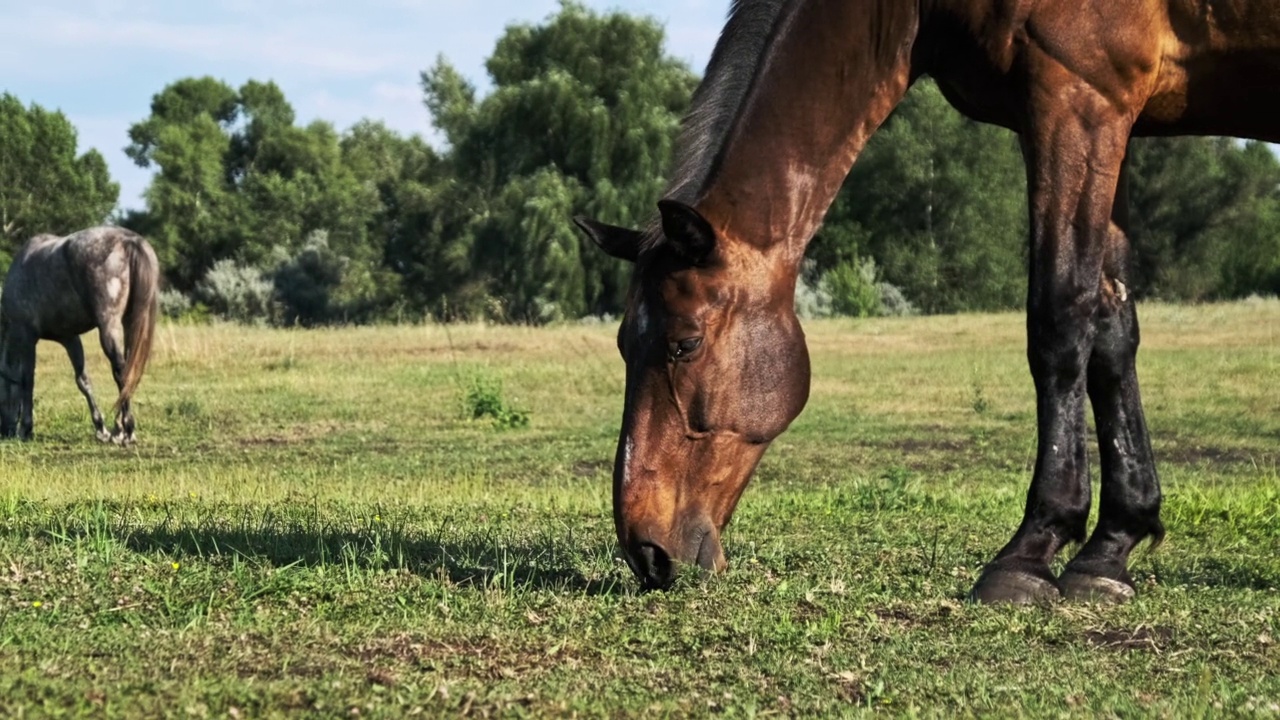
(189, 408)
(484, 398)
(979, 401)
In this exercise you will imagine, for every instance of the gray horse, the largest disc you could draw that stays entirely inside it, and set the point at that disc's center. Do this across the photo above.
(59, 288)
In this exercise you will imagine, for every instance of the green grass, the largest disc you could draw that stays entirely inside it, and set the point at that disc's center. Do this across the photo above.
(313, 524)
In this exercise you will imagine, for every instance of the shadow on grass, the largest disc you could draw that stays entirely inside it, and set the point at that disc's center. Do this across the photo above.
(477, 563)
(483, 558)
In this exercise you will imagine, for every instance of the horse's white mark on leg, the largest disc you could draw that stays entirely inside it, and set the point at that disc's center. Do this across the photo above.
(113, 288)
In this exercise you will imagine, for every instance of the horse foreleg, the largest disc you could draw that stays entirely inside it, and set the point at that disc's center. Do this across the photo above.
(1073, 146)
(75, 351)
(28, 382)
(111, 335)
(1129, 505)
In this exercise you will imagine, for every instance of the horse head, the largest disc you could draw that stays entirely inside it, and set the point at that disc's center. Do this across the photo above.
(716, 368)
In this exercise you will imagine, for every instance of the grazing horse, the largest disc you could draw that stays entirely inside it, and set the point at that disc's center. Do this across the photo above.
(59, 288)
(716, 363)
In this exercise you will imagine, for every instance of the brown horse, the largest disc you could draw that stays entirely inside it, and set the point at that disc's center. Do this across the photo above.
(59, 288)
(716, 364)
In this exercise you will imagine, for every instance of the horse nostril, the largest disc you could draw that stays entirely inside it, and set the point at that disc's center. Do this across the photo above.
(653, 566)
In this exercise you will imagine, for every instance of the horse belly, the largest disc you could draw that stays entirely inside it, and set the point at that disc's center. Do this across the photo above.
(1220, 72)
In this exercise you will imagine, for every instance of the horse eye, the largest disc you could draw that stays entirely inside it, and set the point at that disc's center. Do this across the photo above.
(684, 347)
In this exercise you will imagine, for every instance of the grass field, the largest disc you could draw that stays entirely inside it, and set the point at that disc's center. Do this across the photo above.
(310, 525)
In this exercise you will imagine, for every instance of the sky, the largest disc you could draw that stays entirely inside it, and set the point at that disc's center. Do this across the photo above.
(101, 61)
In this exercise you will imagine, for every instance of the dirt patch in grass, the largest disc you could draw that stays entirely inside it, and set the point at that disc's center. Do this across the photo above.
(1148, 639)
(590, 468)
(1188, 453)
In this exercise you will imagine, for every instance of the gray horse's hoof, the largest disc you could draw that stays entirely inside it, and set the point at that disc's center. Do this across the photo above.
(104, 436)
(999, 587)
(1079, 587)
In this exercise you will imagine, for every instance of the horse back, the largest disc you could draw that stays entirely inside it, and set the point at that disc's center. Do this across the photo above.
(62, 287)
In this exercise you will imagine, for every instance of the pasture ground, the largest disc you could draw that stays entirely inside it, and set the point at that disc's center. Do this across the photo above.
(310, 526)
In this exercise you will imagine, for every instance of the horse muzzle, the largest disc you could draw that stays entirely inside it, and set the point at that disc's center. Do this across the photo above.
(656, 565)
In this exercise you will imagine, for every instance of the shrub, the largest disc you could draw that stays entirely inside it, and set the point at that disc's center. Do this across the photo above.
(812, 299)
(484, 399)
(237, 292)
(853, 288)
(893, 303)
(174, 304)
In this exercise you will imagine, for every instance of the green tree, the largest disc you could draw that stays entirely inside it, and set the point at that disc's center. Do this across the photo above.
(1203, 217)
(939, 202)
(589, 98)
(45, 187)
(237, 179)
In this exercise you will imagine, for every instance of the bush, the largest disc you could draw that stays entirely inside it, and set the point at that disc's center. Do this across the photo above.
(237, 292)
(174, 305)
(812, 299)
(484, 399)
(853, 289)
(305, 283)
(893, 303)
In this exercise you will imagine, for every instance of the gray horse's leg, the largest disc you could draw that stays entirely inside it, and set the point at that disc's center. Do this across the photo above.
(28, 377)
(111, 335)
(75, 351)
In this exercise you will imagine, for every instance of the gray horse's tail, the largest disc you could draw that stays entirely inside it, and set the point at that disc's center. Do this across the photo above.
(139, 315)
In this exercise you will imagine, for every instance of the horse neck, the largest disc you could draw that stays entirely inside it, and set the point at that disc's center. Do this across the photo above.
(830, 75)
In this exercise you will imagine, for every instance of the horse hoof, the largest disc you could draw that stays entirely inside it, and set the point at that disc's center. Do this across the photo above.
(1079, 587)
(999, 587)
(103, 436)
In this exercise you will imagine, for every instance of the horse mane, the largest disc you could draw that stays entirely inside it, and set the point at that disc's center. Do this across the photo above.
(730, 76)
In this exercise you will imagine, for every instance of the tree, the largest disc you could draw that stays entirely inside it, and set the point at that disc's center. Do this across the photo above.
(583, 116)
(1203, 217)
(939, 202)
(238, 179)
(44, 186)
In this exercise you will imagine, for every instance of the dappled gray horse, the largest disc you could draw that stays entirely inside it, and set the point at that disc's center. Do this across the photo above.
(60, 288)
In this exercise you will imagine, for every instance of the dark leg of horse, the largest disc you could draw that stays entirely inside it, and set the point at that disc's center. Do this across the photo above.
(1073, 150)
(111, 335)
(28, 377)
(1129, 507)
(75, 351)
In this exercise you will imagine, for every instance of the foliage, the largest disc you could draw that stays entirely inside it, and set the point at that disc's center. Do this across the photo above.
(939, 202)
(1204, 218)
(367, 224)
(813, 301)
(45, 187)
(174, 304)
(237, 292)
(236, 179)
(583, 117)
(484, 399)
(853, 289)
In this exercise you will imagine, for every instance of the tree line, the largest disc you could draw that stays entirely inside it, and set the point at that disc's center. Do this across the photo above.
(258, 218)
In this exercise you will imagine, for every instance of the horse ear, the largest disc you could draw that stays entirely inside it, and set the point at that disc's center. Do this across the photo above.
(687, 231)
(622, 243)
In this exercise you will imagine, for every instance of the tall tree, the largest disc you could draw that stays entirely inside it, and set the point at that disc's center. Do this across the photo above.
(1203, 217)
(590, 98)
(939, 202)
(45, 187)
(238, 179)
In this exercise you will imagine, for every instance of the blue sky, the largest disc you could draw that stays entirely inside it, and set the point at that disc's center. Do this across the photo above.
(100, 61)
